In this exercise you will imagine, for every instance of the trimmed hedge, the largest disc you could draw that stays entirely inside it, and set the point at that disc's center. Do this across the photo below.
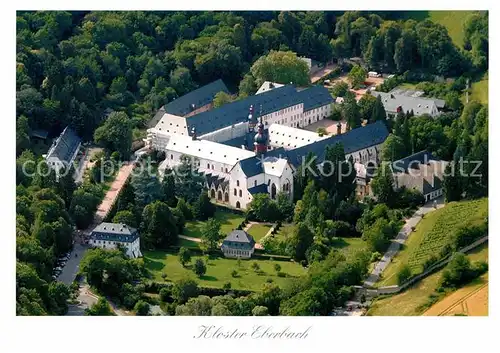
(155, 287)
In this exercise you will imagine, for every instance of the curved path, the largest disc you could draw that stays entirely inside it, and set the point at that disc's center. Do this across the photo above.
(400, 239)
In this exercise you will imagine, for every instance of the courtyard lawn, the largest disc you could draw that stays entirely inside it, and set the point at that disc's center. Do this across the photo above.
(415, 300)
(349, 245)
(258, 231)
(219, 270)
(432, 234)
(229, 222)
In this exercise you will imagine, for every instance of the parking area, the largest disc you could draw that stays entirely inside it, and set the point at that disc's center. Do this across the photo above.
(72, 265)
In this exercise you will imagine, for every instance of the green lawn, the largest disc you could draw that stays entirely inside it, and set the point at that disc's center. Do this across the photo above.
(452, 20)
(432, 234)
(229, 222)
(187, 243)
(219, 271)
(284, 231)
(349, 245)
(479, 90)
(412, 301)
(258, 231)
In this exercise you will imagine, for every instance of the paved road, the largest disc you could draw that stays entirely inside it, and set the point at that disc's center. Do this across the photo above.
(71, 268)
(86, 300)
(400, 239)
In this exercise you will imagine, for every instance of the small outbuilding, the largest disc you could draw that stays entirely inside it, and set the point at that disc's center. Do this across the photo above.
(238, 244)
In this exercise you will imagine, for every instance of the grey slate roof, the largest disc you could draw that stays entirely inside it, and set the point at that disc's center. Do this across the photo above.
(259, 189)
(199, 97)
(421, 171)
(251, 166)
(413, 161)
(354, 140)
(65, 146)
(271, 101)
(238, 239)
(419, 105)
(114, 232)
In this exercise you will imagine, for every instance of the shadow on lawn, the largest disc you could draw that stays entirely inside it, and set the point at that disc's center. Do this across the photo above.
(208, 278)
(153, 265)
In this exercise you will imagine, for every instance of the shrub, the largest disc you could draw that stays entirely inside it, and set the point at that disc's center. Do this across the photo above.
(199, 267)
(164, 276)
(165, 294)
(459, 271)
(404, 274)
(234, 273)
(281, 274)
(375, 256)
(226, 285)
(255, 266)
(269, 280)
(277, 267)
(430, 261)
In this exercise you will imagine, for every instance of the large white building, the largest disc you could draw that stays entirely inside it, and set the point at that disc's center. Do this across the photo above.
(255, 145)
(63, 151)
(114, 235)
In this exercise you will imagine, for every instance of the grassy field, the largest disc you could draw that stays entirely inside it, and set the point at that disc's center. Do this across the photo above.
(452, 20)
(258, 231)
(432, 234)
(479, 90)
(412, 301)
(471, 300)
(347, 245)
(229, 222)
(219, 271)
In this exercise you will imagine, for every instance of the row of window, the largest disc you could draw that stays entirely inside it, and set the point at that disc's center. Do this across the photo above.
(240, 193)
(237, 252)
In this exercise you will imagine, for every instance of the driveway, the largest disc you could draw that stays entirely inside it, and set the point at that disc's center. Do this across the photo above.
(72, 267)
(403, 234)
(86, 300)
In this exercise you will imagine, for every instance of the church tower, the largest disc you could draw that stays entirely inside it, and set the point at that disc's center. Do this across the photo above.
(260, 140)
(251, 120)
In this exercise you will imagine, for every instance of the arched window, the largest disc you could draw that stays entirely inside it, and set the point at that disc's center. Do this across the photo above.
(208, 165)
(238, 205)
(171, 156)
(273, 191)
(234, 192)
(237, 183)
(255, 183)
(240, 193)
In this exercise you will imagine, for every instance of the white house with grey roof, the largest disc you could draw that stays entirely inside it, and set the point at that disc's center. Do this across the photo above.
(115, 235)
(238, 244)
(64, 150)
(395, 103)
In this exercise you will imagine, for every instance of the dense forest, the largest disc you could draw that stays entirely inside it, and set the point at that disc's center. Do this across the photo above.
(72, 67)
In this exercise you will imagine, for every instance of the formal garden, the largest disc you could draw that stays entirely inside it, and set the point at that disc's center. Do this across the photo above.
(241, 274)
